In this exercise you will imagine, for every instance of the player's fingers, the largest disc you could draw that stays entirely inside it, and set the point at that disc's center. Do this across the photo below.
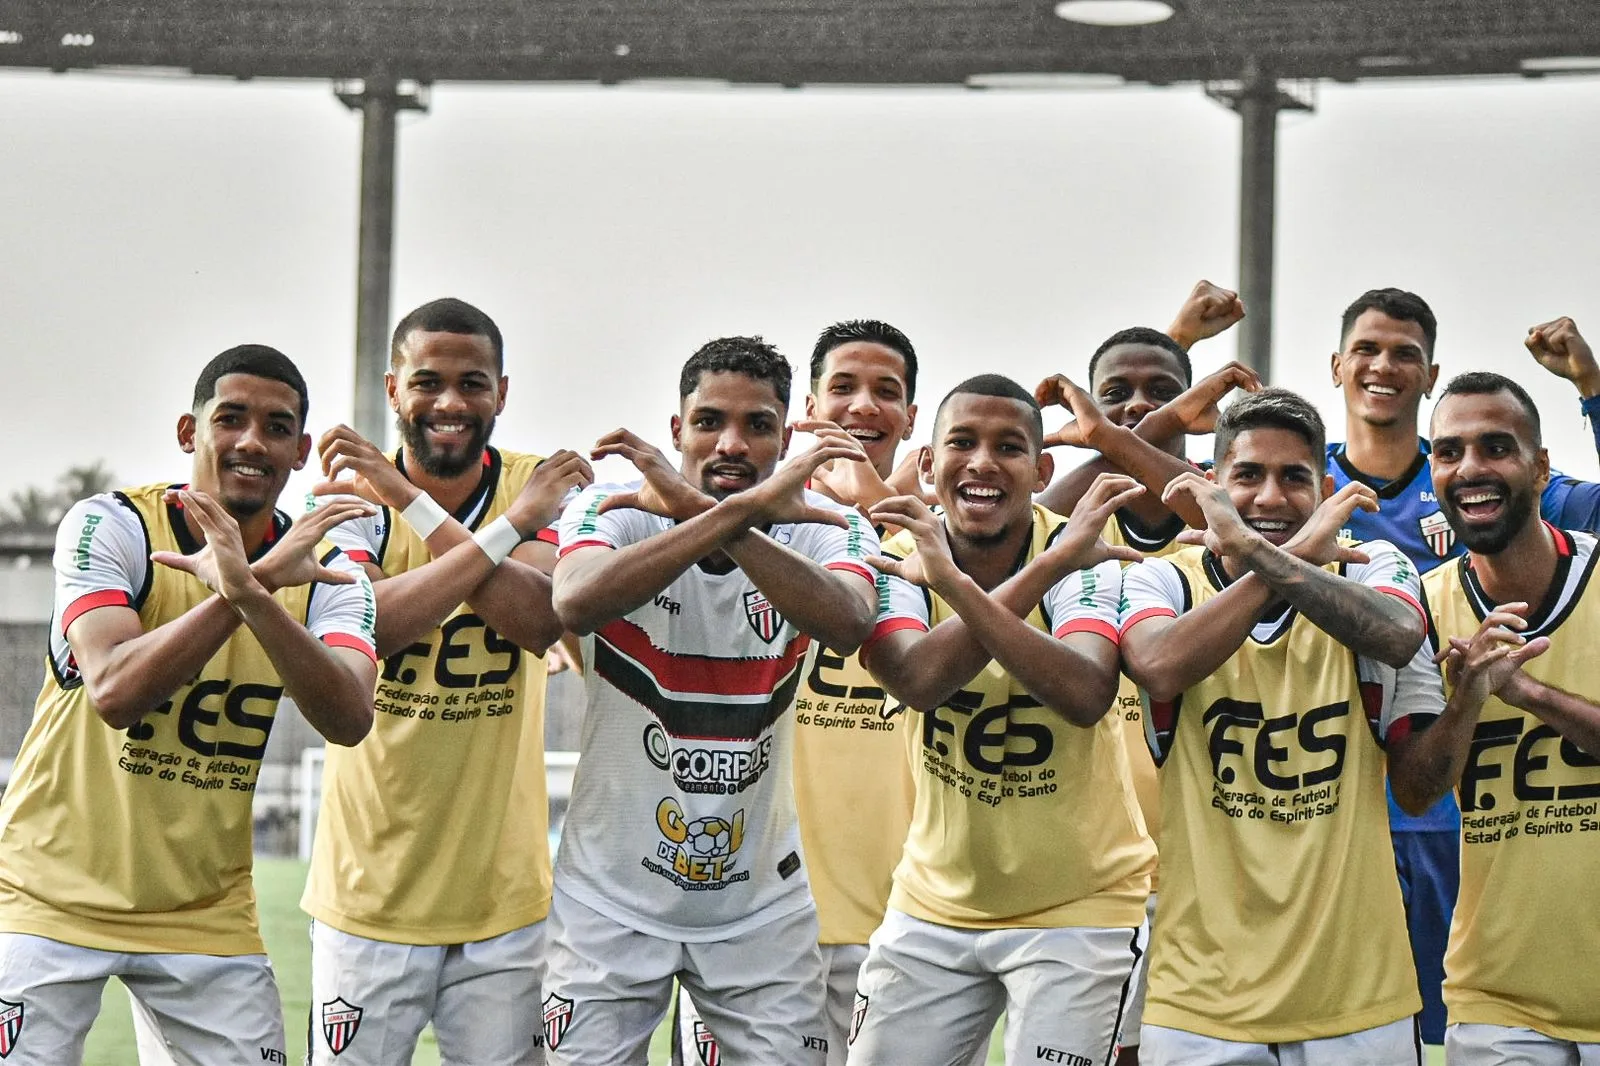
(906, 506)
(1122, 553)
(1505, 616)
(1048, 392)
(814, 425)
(174, 560)
(203, 508)
(822, 517)
(1531, 650)
(1186, 484)
(885, 566)
(619, 502)
(619, 435)
(334, 577)
(1353, 555)
(1116, 503)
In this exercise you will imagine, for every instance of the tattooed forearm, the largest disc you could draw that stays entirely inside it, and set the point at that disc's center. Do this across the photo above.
(1366, 621)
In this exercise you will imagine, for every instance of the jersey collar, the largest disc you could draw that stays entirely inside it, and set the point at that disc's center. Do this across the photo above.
(1386, 490)
(1556, 605)
(472, 510)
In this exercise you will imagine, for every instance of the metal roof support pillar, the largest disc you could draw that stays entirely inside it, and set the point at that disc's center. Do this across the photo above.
(1258, 99)
(380, 100)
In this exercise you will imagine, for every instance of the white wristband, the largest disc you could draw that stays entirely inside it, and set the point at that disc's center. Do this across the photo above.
(498, 539)
(424, 516)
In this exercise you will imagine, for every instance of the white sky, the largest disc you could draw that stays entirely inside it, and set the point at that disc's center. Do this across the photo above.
(146, 224)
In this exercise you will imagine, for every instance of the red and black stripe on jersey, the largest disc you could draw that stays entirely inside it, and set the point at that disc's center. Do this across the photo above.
(699, 696)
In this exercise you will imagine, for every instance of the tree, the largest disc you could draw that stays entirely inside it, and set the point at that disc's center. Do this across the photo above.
(81, 482)
(36, 509)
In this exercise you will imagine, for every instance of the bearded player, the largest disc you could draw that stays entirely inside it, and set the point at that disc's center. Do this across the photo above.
(184, 614)
(697, 591)
(430, 874)
(1515, 622)
(1384, 369)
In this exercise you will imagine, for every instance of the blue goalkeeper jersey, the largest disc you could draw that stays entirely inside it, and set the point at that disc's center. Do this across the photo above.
(1409, 517)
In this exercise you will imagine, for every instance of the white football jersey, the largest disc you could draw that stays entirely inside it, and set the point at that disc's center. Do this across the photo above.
(682, 820)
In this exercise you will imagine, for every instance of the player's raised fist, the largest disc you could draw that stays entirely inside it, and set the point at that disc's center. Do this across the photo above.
(1560, 348)
(1209, 310)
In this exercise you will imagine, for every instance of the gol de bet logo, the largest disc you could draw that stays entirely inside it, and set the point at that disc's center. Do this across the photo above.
(700, 851)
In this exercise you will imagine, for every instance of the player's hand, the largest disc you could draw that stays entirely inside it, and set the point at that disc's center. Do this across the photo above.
(850, 483)
(781, 497)
(1226, 533)
(1209, 310)
(664, 491)
(931, 565)
(1561, 349)
(221, 565)
(296, 560)
(1196, 406)
(1490, 663)
(1087, 421)
(1317, 542)
(1082, 543)
(353, 464)
(539, 502)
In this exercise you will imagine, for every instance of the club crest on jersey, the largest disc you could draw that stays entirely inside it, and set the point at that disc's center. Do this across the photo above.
(340, 1021)
(859, 1016)
(761, 615)
(705, 1045)
(10, 1026)
(1437, 532)
(557, 1017)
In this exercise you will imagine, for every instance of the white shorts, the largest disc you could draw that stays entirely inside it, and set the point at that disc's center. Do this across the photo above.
(930, 994)
(841, 963)
(1394, 1044)
(1499, 1045)
(370, 999)
(1133, 1016)
(191, 1010)
(607, 987)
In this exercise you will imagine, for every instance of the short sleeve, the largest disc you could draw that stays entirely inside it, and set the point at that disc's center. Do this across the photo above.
(1151, 589)
(583, 526)
(360, 539)
(1389, 571)
(102, 558)
(844, 550)
(901, 605)
(1086, 601)
(343, 616)
(1418, 697)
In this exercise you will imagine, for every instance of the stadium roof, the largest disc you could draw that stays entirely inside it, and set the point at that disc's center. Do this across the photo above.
(795, 42)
